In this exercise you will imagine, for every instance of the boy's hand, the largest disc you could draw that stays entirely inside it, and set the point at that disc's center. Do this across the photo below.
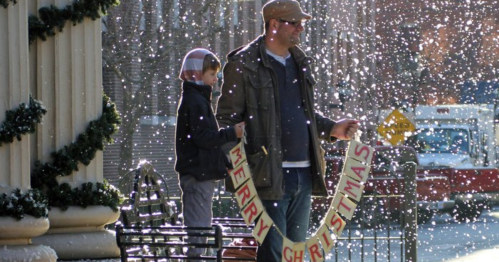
(239, 127)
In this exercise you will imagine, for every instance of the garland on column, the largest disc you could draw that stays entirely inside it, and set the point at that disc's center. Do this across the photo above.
(65, 162)
(5, 3)
(21, 121)
(53, 18)
(100, 194)
(19, 204)
(34, 202)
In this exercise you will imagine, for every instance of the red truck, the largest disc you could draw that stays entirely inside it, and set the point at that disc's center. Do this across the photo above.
(387, 179)
(462, 143)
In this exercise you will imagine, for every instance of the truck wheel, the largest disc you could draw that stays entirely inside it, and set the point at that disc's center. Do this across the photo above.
(467, 210)
(424, 215)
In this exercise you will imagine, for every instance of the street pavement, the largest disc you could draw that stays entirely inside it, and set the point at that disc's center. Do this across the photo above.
(443, 240)
(485, 255)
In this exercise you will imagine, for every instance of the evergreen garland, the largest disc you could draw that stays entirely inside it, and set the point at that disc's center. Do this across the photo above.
(21, 121)
(102, 194)
(5, 3)
(53, 18)
(17, 204)
(34, 202)
(83, 150)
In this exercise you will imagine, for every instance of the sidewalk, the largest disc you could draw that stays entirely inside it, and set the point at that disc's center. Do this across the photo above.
(484, 255)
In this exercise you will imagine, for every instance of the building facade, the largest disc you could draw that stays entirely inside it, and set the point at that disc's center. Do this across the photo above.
(427, 50)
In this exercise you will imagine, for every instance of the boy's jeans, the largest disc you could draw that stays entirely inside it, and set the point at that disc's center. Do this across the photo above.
(197, 199)
(290, 215)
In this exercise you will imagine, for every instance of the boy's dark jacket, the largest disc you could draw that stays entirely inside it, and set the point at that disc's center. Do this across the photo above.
(198, 139)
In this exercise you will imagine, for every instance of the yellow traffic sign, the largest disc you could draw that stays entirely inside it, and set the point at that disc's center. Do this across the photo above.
(395, 127)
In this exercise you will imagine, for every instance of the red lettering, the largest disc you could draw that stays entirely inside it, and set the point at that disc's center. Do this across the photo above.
(245, 191)
(326, 240)
(343, 205)
(262, 227)
(252, 210)
(239, 174)
(349, 187)
(314, 251)
(298, 256)
(358, 171)
(287, 254)
(237, 152)
(337, 223)
(358, 151)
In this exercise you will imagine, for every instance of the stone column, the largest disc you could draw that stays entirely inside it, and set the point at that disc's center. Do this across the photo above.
(15, 235)
(69, 82)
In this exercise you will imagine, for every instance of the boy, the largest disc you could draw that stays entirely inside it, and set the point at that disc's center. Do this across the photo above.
(199, 160)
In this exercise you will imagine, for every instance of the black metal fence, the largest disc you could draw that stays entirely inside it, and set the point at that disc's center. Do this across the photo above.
(382, 229)
(377, 232)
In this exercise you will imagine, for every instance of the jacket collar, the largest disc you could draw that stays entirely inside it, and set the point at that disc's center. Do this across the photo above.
(257, 50)
(205, 90)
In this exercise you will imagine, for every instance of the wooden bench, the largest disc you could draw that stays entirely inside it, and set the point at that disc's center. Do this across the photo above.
(149, 228)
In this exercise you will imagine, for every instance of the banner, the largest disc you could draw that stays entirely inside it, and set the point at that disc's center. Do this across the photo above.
(355, 172)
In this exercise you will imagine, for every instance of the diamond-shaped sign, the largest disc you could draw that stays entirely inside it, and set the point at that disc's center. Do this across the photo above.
(395, 127)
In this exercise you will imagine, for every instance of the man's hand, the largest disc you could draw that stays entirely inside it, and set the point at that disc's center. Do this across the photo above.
(345, 129)
(239, 127)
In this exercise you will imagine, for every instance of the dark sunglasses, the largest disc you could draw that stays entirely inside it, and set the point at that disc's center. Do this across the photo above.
(294, 23)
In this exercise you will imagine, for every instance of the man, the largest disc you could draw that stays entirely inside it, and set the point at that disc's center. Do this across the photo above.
(268, 84)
